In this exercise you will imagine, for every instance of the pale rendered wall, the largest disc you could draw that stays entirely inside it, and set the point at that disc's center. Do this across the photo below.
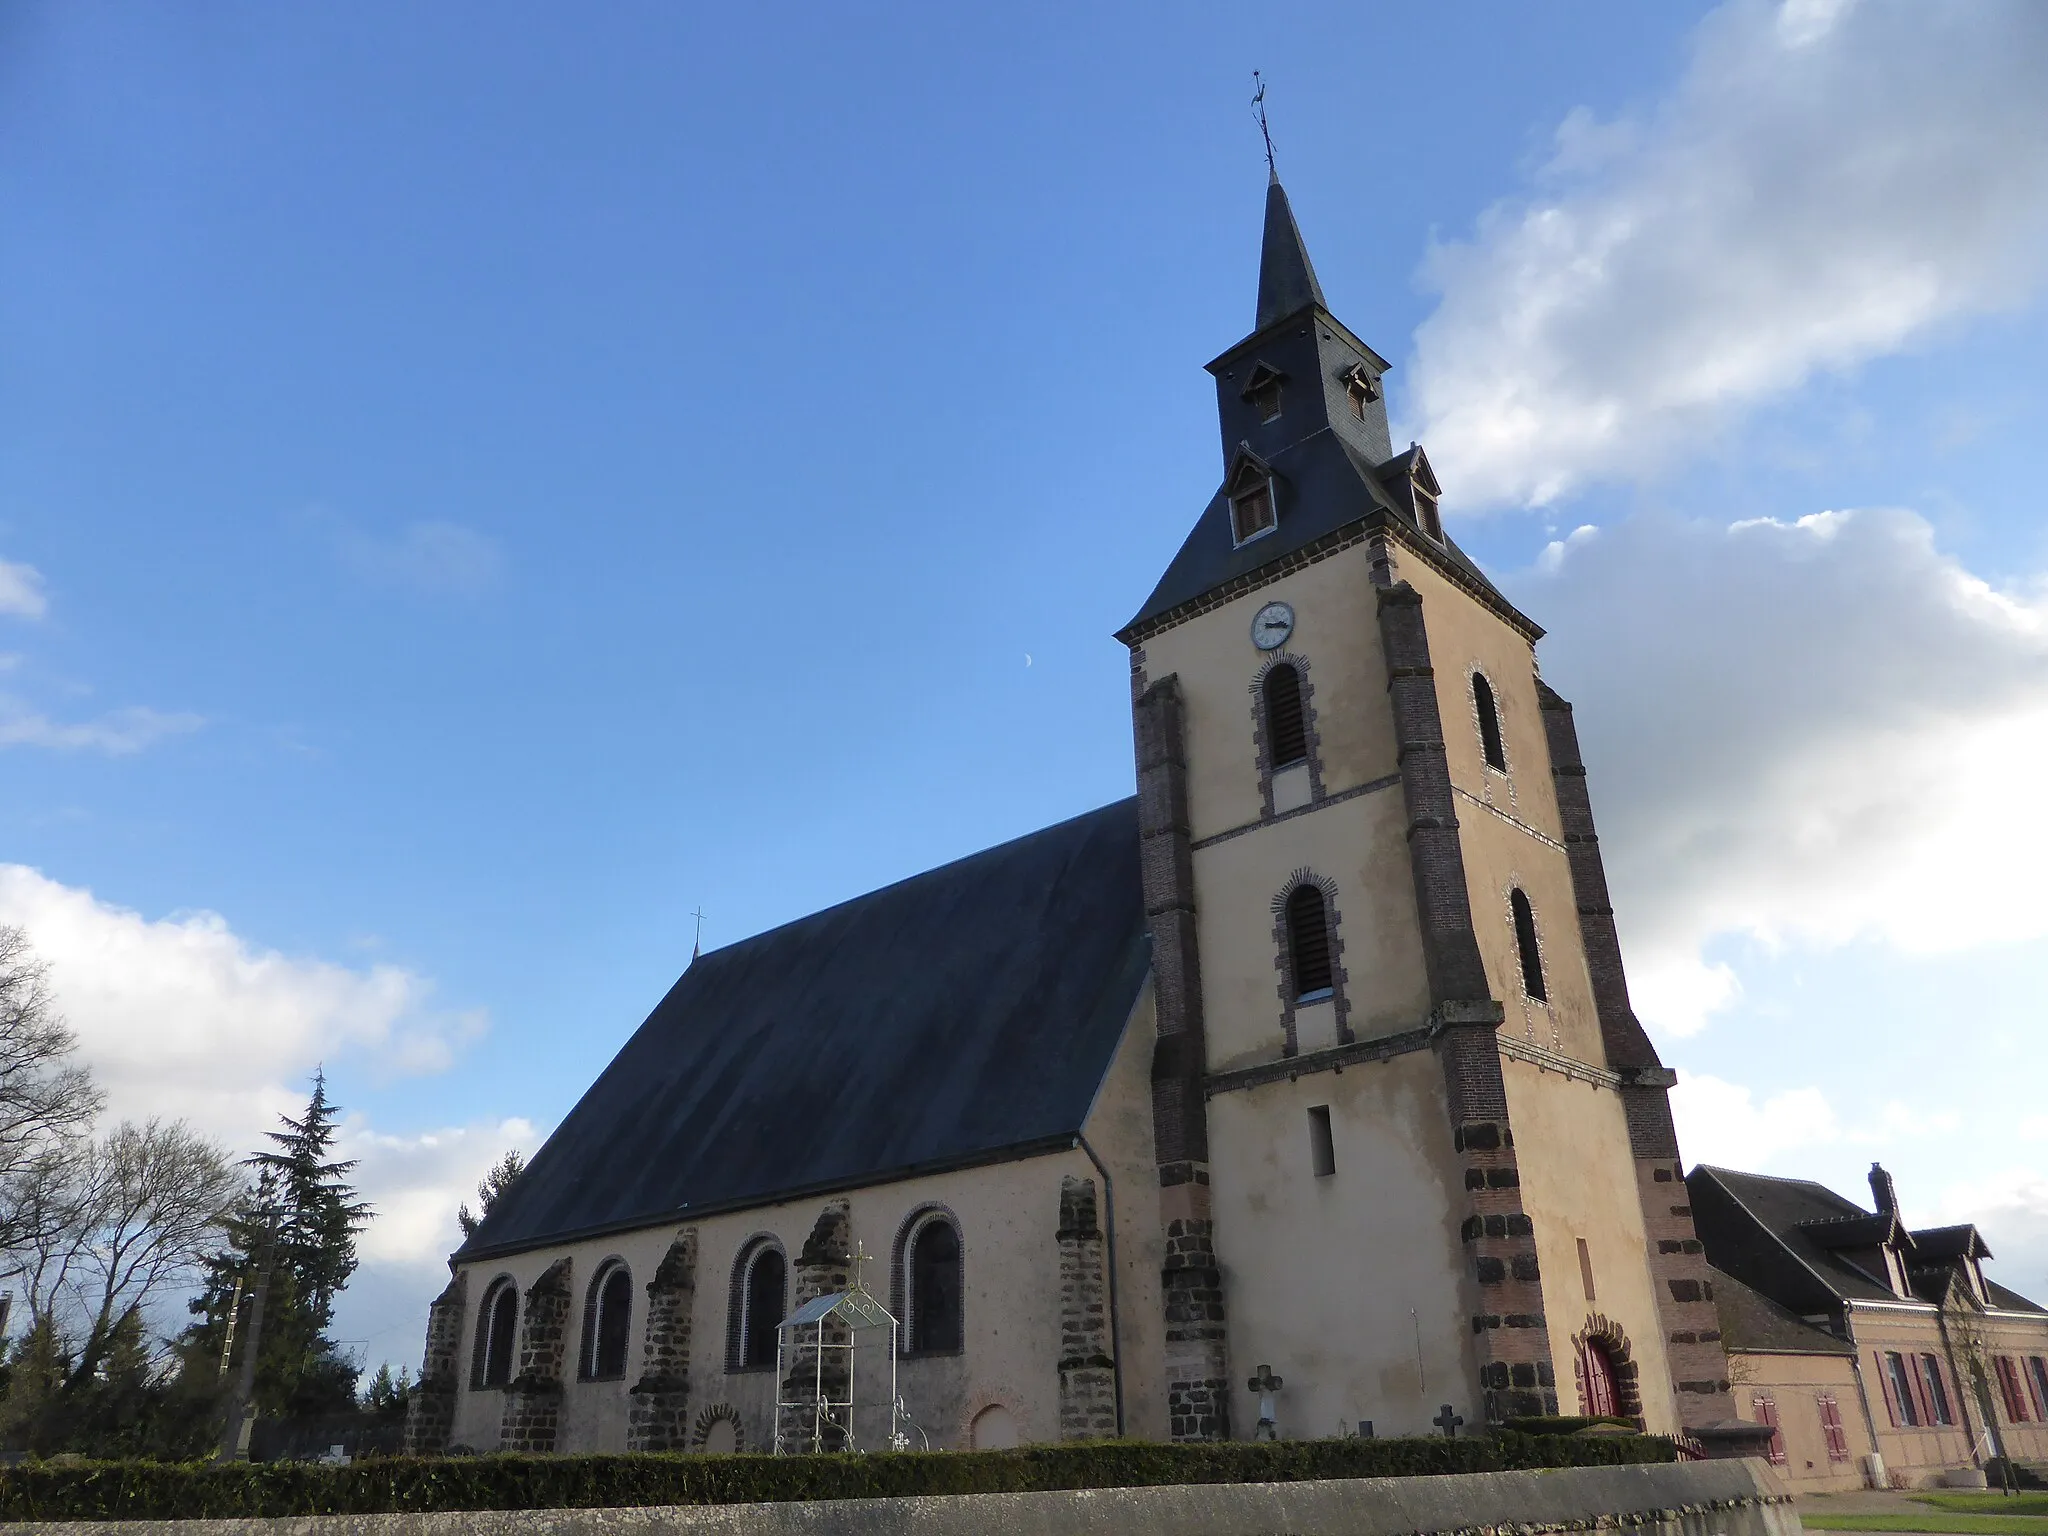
(1578, 1181)
(1331, 1279)
(1794, 1383)
(1008, 1212)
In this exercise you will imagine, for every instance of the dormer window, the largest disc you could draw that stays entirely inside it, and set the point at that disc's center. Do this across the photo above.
(1252, 512)
(1426, 515)
(1262, 391)
(1361, 387)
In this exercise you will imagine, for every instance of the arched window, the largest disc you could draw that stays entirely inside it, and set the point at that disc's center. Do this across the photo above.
(1308, 943)
(759, 1306)
(1525, 940)
(931, 1287)
(1286, 720)
(607, 1322)
(497, 1335)
(1489, 723)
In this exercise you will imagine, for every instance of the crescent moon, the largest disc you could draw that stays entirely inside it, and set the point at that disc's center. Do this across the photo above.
(1027, 658)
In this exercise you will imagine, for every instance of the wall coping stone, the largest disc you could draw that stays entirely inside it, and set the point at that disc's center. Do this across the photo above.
(1712, 1498)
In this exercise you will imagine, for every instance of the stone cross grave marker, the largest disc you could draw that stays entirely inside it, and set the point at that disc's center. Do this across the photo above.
(1266, 1384)
(1448, 1422)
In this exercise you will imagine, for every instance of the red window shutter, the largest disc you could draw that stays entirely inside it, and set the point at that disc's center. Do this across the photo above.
(1831, 1427)
(1766, 1408)
(1884, 1380)
(2015, 1391)
(2034, 1378)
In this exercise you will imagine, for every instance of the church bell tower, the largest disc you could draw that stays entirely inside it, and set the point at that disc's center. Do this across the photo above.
(1413, 1146)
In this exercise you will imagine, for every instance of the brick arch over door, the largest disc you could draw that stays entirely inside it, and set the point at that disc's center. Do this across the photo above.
(902, 1291)
(1262, 747)
(1607, 1336)
(1283, 957)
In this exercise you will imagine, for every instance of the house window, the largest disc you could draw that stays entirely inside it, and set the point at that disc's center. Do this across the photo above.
(1489, 723)
(1900, 1380)
(1938, 1411)
(1831, 1427)
(933, 1286)
(1308, 944)
(1286, 720)
(1251, 512)
(1426, 515)
(607, 1322)
(1322, 1151)
(1766, 1409)
(497, 1331)
(762, 1301)
(2010, 1389)
(2037, 1383)
(1525, 941)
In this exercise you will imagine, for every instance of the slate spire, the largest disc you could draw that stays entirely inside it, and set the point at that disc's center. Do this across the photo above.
(1286, 280)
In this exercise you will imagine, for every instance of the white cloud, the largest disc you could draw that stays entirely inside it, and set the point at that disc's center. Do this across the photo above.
(1723, 1123)
(180, 1016)
(21, 591)
(1829, 182)
(2010, 1207)
(119, 733)
(1807, 732)
(434, 558)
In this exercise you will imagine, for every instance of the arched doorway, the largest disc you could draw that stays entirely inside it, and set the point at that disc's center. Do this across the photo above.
(993, 1429)
(1597, 1396)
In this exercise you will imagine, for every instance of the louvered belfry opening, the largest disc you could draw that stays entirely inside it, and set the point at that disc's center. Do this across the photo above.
(1308, 942)
(1286, 720)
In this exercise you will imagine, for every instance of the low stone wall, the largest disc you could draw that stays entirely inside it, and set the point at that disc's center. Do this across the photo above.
(1714, 1498)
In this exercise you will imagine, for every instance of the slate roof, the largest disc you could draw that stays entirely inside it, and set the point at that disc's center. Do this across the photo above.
(1750, 1320)
(964, 1015)
(1790, 1239)
(1287, 280)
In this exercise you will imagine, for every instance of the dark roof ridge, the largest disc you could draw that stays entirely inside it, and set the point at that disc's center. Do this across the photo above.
(738, 945)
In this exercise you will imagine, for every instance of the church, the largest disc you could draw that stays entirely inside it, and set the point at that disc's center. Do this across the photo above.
(1298, 1095)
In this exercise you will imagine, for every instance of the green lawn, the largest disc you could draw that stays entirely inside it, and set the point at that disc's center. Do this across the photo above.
(1934, 1520)
(1986, 1503)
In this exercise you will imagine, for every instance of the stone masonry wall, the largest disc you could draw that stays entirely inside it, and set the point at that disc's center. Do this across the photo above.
(1197, 1365)
(1503, 1283)
(823, 1266)
(430, 1410)
(1087, 1367)
(657, 1418)
(533, 1398)
(1678, 1261)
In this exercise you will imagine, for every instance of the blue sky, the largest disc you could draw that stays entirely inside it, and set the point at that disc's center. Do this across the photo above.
(478, 483)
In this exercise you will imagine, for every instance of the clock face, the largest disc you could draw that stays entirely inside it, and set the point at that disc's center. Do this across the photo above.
(1272, 625)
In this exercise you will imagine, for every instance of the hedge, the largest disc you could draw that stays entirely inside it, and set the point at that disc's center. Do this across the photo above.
(142, 1490)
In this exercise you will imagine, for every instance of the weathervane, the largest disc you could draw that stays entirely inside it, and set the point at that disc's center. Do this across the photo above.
(1259, 109)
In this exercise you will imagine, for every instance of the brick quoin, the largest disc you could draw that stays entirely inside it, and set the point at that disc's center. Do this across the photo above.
(1678, 1263)
(1503, 1285)
(658, 1417)
(533, 1399)
(430, 1410)
(1197, 1367)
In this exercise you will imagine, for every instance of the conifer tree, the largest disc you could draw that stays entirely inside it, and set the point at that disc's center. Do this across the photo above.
(294, 1234)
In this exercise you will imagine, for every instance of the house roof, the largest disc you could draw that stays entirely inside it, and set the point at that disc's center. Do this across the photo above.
(1797, 1242)
(1751, 1321)
(964, 1015)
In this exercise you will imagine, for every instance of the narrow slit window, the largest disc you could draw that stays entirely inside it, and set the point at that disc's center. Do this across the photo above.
(1251, 512)
(1586, 1269)
(1286, 719)
(1308, 944)
(1525, 941)
(1322, 1151)
(1489, 723)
